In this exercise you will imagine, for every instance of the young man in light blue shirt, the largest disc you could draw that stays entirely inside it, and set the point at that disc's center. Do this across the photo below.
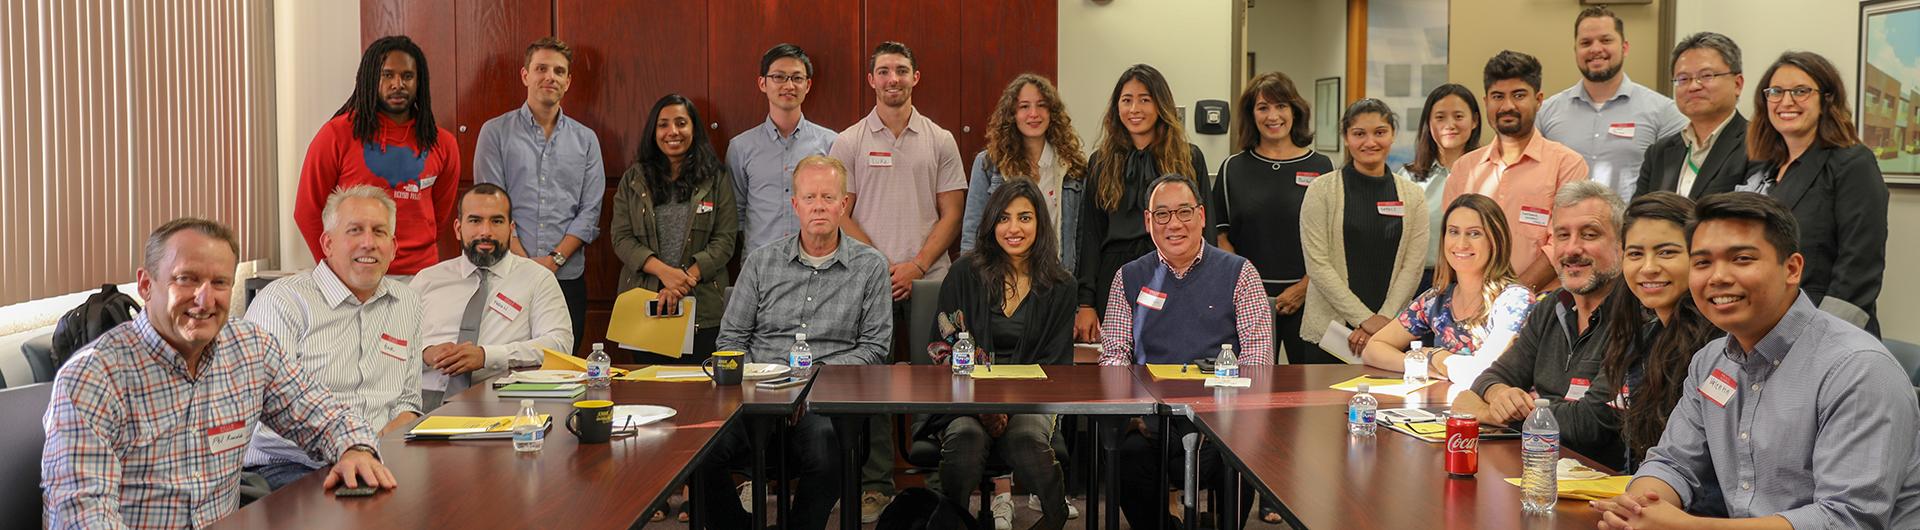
(763, 158)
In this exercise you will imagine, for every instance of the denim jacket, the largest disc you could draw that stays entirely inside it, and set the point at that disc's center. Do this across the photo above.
(981, 185)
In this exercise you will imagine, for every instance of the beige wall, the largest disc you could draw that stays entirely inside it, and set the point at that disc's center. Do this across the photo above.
(316, 49)
(1189, 42)
(1543, 28)
(1305, 39)
(1764, 28)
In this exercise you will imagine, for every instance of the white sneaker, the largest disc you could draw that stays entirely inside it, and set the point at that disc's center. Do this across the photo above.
(746, 495)
(872, 503)
(1002, 511)
(1033, 503)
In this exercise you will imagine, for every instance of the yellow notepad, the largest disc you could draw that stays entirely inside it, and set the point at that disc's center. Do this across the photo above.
(454, 425)
(1392, 386)
(668, 374)
(1172, 371)
(1590, 490)
(1009, 371)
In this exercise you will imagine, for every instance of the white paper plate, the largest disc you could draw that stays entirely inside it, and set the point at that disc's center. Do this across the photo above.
(759, 371)
(636, 415)
(549, 376)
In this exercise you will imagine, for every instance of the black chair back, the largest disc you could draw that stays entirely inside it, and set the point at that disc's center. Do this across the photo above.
(21, 407)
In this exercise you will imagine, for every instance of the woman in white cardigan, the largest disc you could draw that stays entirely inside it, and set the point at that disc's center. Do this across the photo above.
(1364, 232)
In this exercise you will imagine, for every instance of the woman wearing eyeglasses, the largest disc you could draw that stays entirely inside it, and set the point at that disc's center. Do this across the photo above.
(1810, 159)
(1364, 231)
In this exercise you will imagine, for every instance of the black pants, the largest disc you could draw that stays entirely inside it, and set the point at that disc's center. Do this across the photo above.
(812, 452)
(575, 290)
(1141, 466)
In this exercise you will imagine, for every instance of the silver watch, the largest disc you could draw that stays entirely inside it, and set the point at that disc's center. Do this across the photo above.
(558, 259)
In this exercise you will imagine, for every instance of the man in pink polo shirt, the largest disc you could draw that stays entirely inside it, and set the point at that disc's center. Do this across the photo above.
(908, 189)
(1522, 170)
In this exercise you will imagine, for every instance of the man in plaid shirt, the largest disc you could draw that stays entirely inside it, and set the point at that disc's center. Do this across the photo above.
(147, 426)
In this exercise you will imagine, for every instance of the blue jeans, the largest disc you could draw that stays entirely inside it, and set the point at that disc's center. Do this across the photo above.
(281, 474)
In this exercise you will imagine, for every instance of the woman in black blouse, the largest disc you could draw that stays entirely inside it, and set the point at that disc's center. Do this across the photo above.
(1016, 301)
(1140, 140)
(1803, 138)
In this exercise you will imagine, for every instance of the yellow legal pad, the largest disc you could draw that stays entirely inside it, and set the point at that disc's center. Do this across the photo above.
(1009, 371)
(668, 374)
(1392, 386)
(1590, 490)
(1172, 371)
(466, 425)
(559, 361)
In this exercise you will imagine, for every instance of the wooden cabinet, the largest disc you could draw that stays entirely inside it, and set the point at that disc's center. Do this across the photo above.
(628, 53)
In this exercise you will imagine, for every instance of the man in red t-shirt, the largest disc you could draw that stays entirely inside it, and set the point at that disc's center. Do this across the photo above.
(385, 136)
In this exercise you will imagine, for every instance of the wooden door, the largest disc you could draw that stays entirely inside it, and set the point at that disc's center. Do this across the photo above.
(742, 30)
(1002, 39)
(928, 28)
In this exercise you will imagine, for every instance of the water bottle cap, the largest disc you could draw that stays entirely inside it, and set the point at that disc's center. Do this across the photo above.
(965, 335)
(1226, 346)
(799, 336)
(1540, 403)
(1365, 387)
(526, 403)
(1416, 345)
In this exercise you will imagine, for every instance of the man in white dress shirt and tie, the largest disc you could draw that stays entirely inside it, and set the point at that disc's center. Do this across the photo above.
(487, 310)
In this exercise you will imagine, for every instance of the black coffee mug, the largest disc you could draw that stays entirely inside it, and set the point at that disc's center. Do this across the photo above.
(592, 421)
(725, 367)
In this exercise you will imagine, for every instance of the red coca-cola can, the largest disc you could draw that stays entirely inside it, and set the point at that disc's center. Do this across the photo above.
(1463, 445)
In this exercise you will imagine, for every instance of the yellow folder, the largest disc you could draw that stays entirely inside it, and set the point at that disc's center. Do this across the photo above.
(634, 330)
(1590, 490)
(1175, 371)
(559, 361)
(1009, 371)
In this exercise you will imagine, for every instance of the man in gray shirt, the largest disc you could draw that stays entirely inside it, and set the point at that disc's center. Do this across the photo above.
(762, 159)
(1558, 352)
(1607, 118)
(1801, 419)
(551, 166)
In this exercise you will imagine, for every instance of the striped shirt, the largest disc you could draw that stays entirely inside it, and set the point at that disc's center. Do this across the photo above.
(1252, 317)
(762, 164)
(131, 435)
(843, 304)
(367, 353)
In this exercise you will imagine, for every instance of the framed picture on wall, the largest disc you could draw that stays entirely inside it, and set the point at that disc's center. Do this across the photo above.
(1326, 119)
(1887, 93)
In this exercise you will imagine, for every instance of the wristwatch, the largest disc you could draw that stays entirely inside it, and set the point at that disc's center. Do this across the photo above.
(558, 259)
(363, 448)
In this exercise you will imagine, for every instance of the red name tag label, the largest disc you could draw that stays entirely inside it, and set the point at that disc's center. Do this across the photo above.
(1151, 299)
(1623, 130)
(224, 438)
(394, 347)
(1577, 388)
(1391, 208)
(1535, 215)
(1718, 388)
(1305, 178)
(880, 158)
(505, 307)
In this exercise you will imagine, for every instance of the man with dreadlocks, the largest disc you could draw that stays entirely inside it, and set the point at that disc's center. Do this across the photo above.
(385, 136)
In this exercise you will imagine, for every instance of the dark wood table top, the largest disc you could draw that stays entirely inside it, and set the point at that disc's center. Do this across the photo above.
(1289, 434)
(485, 484)
(931, 389)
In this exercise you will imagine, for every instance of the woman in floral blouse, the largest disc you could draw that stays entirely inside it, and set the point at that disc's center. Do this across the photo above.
(1471, 331)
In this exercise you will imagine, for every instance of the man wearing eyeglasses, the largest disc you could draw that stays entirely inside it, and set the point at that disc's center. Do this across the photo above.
(1607, 118)
(1179, 303)
(762, 159)
(1709, 155)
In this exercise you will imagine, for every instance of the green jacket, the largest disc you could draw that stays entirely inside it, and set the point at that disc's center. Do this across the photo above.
(710, 242)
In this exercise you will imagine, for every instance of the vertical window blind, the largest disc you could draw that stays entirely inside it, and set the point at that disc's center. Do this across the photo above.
(117, 115)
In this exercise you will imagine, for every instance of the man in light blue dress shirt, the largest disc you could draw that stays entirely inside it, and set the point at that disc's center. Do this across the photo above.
(762, 159)
(1799, 418)
(551, 166)
(1606, 117)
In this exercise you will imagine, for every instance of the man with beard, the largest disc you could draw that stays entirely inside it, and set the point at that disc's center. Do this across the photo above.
(490, 310)
(1710, 154)
(1558, 351)
(348, 326)
(1520, 170)
(553, 163)
(385, 136)
(909, 191)
(147, 425)
(1607, 117)
(762, 159)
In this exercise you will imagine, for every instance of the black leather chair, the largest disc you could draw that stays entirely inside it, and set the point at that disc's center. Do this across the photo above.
(21, 409)
(39, 353)
(1908, 354)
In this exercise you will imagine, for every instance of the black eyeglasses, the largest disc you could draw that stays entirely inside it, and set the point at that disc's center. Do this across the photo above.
(781, 79)
(1185, 213)
(1799, 93)
(1683, 79)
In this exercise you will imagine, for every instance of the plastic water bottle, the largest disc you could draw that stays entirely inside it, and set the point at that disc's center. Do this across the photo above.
(1360, 412)
(1227, 364)
(1416, 365)
(599, 367)
(800, 357)
(528, 433)
(963, 355)
(1540, 452)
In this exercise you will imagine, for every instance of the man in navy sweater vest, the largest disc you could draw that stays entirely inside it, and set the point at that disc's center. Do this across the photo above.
(1179, 303)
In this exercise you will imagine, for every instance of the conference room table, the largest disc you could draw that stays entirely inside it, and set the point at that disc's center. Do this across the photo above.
(1287, 435)
(486, 484)
(850, 394)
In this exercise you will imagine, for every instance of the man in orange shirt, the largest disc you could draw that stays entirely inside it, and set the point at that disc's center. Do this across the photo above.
(1522, 170)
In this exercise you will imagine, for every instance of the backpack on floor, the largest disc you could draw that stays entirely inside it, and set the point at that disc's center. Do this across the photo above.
(922, 509)
(78, 328)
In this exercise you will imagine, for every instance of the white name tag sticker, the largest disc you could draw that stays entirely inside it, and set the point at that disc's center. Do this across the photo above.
(704, 207)
(1577, 388)
(1305, 178)
(1718, 388)
(1391, 208)
(1623, 130)
(1620, 400)
(1535, 215)
(427, 181)
(879, 159)
(505, 307)
(1151, 299)
(394, 347)
(223, 438)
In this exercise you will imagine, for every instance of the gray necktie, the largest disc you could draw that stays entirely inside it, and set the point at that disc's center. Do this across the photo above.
(470, 329)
